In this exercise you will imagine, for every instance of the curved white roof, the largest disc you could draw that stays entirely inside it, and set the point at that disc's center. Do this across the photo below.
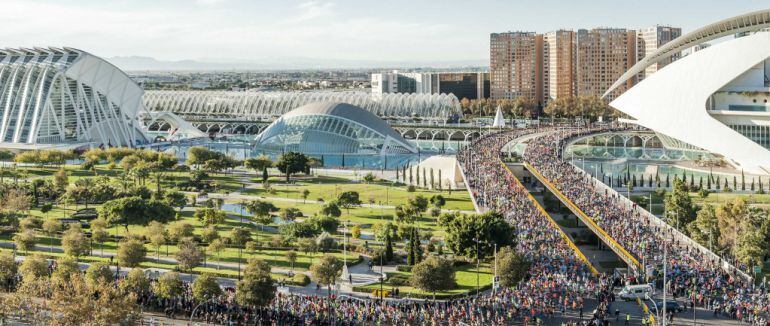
(345, 111)
(749, 22)
(58, 95)
(272, 104)
(342, 111)
(673, 100)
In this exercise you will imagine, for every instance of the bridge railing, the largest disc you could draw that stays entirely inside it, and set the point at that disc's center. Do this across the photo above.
(621, 251)
(553, 223)
(658, 222)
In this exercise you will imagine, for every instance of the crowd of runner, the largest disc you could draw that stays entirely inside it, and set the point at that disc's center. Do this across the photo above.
(691, 273)
(558, 280)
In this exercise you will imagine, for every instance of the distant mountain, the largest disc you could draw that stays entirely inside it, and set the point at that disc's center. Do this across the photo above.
(139, 63)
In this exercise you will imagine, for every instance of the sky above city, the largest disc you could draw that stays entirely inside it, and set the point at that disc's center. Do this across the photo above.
(394, 30)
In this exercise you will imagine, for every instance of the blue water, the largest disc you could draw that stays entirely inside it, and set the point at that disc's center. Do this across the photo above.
(240, 151)
(238, 209)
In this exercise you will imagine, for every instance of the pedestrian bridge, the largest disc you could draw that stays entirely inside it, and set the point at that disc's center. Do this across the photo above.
(608, 240)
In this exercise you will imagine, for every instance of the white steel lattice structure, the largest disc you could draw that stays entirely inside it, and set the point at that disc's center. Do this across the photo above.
(259, 106)
(65, 97)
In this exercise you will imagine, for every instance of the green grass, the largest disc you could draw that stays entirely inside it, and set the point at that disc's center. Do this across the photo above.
(324, 187)
(465, 276)
(328, 188)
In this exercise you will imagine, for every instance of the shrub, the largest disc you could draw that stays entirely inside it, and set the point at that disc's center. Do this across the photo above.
(404, 268)
(398, 280)
(410, 188)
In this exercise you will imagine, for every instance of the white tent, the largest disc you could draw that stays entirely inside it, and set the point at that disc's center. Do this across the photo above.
(499, 119)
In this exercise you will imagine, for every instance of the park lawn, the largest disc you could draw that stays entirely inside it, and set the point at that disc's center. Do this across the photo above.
(465, 276)
(274, 257)
(379, 192)
(722, 197)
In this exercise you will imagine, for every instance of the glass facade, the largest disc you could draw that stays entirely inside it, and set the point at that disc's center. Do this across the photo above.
(331, 128)
(65, 96)
(758, 134)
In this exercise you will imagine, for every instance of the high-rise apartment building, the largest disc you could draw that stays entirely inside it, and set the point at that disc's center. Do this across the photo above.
(516, 65)
(565, 63)
(559, 64)
(649, 40)
(603, 55)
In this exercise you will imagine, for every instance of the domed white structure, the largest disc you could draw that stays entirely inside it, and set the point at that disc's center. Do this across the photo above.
(64, 97)
(332, 128)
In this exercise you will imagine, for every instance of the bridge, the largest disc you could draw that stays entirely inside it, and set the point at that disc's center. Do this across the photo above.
(212, 126)
(632, 144)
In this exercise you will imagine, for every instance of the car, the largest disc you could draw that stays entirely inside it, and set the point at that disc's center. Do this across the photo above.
(671, 305)
(633, 292)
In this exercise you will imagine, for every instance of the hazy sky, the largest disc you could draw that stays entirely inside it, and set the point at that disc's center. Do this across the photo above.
(420, 30)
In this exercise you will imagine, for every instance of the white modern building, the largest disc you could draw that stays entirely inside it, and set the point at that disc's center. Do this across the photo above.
(716, 98)
(268, 106)
(332, 128)
(65, 98)
(401, 82)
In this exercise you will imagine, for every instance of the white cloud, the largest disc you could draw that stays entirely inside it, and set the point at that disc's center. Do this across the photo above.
(311, 10)
(174, 32)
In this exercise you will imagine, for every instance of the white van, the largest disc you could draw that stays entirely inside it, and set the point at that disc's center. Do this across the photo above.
(632, 292)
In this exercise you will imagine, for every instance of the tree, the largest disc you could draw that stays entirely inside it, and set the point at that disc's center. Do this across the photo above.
(291, 257)
(289, 214)
(511, 267)
(489, 228)
(256, 288)
(65, 268)
(438, 201)
(324, 223)
(74, 242)
(209, 234)
(210, 216)
(61, 180)
(705, 227)
(99, 272)
(33, 267)
(331, 209)
(261, 210)
(25, 240)
(750, 247)
(77, 302)
(348, 199)
(355, 231)
(99, 232)
(135, 210)
(8, 269)
(258, 164)
(179, 230)
(156, 234)
(131, 252)
(307, 245)
(292, 162)
(188, 255)
(679, 208)
(729, 216)
(239, 235)
(326, 270)
(205, 287)
(305, 194)
(433, 274)
(175, 199)
(216, 246)
(136, 282)
(168, 286)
